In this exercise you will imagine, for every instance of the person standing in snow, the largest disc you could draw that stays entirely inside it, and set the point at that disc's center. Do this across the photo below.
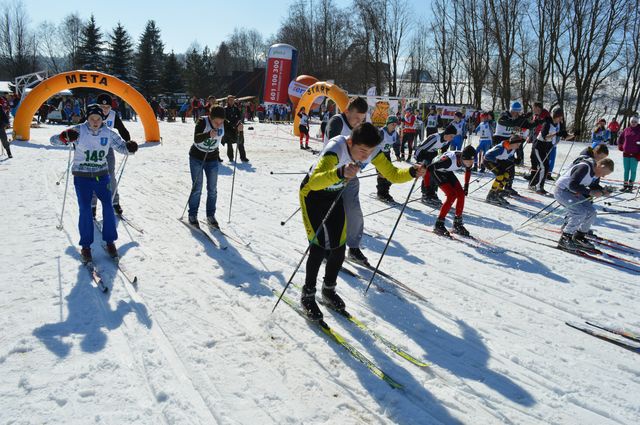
(442, 171)
(341, 125)
(433, 120)
(340, 161)
(408, 133)
(426, 152)
(460, 125)
(614, 129)
(574, 191)
(389, 137)
(235, 133)
(303, 128)
(4, 124)
(111, 120)
(92, 141)
(483, 130)
(629, 144)
(204, 162)
(599, 135)
(550, 135)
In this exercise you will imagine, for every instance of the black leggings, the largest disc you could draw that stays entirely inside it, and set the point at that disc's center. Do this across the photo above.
(335, 258)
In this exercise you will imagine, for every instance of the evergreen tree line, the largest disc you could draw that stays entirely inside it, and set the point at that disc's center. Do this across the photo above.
(144, 63)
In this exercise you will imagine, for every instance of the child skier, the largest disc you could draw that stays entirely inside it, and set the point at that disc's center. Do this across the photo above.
(600, 135)
(574, 191)
(461, 131)
(409, 132)
(339, 162)
(426, 152)
(549, 136)
(113, 121)
(442, 171)
(93, 139)
(500, 161)
(485, 132)
(203, 158)
(389, 137)
(304, 128)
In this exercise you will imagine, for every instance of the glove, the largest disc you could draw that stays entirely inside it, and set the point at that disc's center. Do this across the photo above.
(466, 189)
(132, 146)
(69, 136)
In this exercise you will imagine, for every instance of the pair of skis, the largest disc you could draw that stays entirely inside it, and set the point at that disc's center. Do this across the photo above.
(621, 337)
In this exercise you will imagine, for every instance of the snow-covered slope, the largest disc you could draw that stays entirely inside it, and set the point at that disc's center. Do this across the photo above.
(196, 343)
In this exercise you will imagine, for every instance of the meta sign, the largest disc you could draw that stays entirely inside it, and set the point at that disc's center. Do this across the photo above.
(282, 61)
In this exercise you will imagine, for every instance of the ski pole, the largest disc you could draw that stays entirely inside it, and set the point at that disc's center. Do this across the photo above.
(66, 187)
(282, 223)
(117, 182)
(195, 183)
(280, 174)
(64, 173)
(233, 180)
(320, 227)
(395, 226)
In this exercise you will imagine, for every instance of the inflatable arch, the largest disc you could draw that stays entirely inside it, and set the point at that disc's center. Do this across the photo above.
(74, 79)
(321, 88)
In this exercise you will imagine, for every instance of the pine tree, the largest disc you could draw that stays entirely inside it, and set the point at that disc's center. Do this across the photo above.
(119, 57)
(90, 50)
(149, 61)
(172, 75)
(195, 78)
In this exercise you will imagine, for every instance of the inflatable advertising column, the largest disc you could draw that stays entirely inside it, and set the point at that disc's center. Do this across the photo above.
(282, 61)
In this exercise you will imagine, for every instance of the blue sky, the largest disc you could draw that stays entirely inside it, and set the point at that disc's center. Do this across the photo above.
(185, 21)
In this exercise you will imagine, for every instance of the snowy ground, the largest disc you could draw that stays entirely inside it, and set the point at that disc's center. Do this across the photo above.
(197, 344)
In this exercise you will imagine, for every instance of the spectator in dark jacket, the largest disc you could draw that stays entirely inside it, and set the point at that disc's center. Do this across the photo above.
(235, 134)
(4, 123)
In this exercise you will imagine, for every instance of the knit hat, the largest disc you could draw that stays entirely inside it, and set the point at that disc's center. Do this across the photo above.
(94, 110)
(515, 106)
(392, 119)
(104, 99)
(450, 130)
(634, 119)
(468, 152)
(515, 138)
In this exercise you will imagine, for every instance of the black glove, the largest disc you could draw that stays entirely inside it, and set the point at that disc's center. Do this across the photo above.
(132, 146)
(466, 189)
(69, 136)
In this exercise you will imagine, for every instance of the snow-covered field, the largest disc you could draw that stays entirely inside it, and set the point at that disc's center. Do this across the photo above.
(196, 343)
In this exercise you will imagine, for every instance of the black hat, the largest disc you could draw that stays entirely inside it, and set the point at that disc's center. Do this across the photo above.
(104, 99)
(557, 112)
(469, 152)
(94, 110)
(450, 130)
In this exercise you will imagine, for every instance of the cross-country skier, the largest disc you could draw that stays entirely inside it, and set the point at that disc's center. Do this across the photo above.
(341, 125)
(92, 140)
(389, 137)
(540, 115)
(574, 191)
(485, 132)
(442, 171)
(460, 124)
(203, 159)
(597, 153)
(339, 162)
(433, 121)
(426, 152)
(113, 121)
(304, 128)
(500, 161)
(545, 141)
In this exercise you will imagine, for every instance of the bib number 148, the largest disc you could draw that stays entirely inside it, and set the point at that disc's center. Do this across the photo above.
(94, 156)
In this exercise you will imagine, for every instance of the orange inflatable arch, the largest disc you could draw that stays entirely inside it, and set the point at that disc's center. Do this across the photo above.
(321, 88)
(93, 79)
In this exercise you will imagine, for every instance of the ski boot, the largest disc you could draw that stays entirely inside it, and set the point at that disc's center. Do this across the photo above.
(458, 227)
(579, 238)
(493, 198)
(439, 228)
(502, 198)
(211, 221)
(117, 209)
(567, 243)
(193, 221)
(509, 191)
(85, 253)
(309, 304)
(112, 250)
(330, 298)
(356, 255)
(542, 192)
(385, 197)
(431, 199)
